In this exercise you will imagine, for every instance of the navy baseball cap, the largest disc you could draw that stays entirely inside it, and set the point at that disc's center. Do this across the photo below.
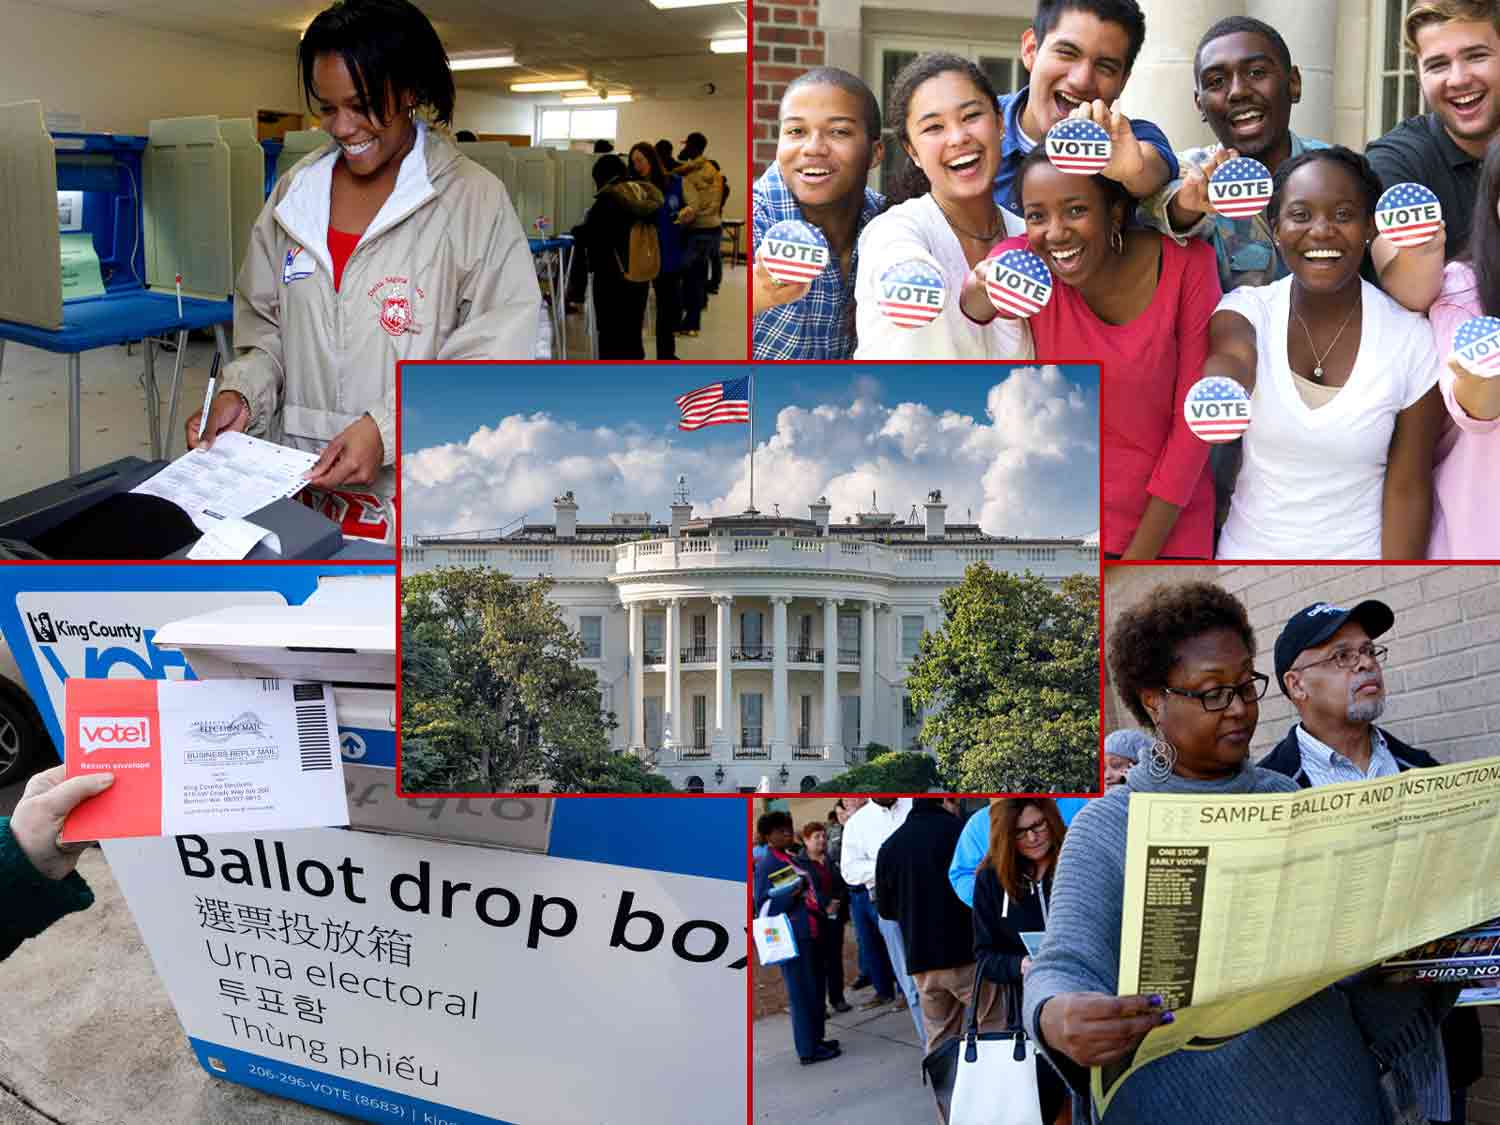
(1316, 623)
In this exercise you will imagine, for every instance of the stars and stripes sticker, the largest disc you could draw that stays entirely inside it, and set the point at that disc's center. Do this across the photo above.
(794, 251)
(911, 293)
(1079, 146)
(1217, 409)
(1408, 214)
(717, 404)
(1239, 188)
(1476, 345)
(1019, 283)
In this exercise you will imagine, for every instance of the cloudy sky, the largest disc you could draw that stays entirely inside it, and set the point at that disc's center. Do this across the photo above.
(1016, 447)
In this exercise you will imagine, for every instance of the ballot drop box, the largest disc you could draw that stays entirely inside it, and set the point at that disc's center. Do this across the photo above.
(446, 960)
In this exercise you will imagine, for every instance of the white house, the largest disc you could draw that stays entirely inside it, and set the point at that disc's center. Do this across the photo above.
(741, 649)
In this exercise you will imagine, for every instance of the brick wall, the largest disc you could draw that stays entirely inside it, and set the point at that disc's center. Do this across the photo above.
(787, 41)
(1442, 676)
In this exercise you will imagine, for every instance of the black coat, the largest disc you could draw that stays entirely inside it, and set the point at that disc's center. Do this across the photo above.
(998, 947)
(838, 889)
(912, 888)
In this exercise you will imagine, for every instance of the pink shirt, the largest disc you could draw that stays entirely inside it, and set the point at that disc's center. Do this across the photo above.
(1466, 478)
(1146, 369)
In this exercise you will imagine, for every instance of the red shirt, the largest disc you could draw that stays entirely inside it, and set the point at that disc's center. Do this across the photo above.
(340, 245)
(1146, 368)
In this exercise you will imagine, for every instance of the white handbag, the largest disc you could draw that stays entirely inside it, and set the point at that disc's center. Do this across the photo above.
(774, 940)
(988, 1078)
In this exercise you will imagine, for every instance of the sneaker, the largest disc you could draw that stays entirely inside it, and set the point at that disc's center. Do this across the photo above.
(860, 981)
(842, 1006)
(822, 1054)
(875, 1002)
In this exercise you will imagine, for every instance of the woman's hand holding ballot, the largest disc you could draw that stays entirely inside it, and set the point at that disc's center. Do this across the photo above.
(229, 411)
(1093, 1028)
(353, 457)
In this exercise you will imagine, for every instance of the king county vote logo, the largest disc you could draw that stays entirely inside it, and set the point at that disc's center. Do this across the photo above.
(1019, 283)
(911, 293)
(1408, 214)
(1079, 146)
(1476, 345)
(1217, 409)
(1239, 188)
(794, 252)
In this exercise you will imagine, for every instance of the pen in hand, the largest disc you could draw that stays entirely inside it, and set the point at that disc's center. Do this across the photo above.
(208, 394)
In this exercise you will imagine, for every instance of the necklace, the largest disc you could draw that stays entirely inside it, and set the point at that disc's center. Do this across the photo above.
(998, 227)
(1318, 359)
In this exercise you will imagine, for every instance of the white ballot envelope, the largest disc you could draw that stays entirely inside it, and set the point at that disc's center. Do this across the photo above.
(198, 756)
(232, 478)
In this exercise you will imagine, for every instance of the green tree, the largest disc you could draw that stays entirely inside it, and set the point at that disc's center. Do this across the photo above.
(492, 696)
(1012, 679)
(886, 771)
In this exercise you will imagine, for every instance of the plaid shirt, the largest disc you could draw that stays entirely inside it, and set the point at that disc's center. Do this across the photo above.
(819, 325)
(1243, 247)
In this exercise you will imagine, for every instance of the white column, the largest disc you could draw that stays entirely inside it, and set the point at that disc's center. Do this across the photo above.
(723, 687)
(866, 672)
(779, 702)
(672, 704)
(636, 646)
(832, 736)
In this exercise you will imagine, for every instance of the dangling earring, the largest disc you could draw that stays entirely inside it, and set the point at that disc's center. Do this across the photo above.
(1117, 241)
(1162, 759)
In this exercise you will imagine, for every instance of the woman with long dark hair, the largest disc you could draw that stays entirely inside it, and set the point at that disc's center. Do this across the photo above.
(941, 211)
(386, 244)
(1467, 476)
(645, 164)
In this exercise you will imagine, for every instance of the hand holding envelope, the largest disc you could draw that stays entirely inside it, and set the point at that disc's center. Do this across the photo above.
(37, 820)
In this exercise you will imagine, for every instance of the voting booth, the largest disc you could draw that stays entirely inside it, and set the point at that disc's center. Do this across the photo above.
(464, 960)
(295, 145)
(574, 185)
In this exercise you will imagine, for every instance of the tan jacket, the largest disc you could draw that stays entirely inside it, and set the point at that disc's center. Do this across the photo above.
(443, 272)
(703, 188)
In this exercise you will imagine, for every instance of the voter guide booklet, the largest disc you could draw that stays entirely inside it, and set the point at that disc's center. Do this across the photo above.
(200, 756)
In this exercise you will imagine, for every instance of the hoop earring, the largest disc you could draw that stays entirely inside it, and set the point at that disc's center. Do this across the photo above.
(1162, 759)
(1117, 241)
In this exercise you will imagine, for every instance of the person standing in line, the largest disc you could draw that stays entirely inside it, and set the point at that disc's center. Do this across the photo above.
(606, 234)
(833, 902)
(703, 186)
(646, 165)
(866, 831)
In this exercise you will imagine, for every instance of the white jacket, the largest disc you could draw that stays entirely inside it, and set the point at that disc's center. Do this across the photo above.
(444, 271)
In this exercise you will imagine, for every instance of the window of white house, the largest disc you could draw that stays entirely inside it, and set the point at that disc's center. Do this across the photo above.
(750, 719)
(591, 630)
(559, 128)
(655, 626)
(911, 636)
(1396, 93)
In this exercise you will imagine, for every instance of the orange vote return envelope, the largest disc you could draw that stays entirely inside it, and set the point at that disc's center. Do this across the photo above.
(203, 756)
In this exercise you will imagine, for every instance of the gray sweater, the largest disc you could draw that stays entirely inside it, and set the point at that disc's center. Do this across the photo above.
(1311, 1064)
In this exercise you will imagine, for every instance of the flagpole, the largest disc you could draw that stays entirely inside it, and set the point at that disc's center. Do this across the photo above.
(752, 440)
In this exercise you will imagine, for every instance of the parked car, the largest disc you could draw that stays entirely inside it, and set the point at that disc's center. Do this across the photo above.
(25, 744)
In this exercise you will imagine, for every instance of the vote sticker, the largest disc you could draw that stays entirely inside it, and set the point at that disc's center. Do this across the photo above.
(794, 251)
(1408, 214)
(1217, 409)
(911, 293)
(1240, 188)
(1079, 146)
(1476, 345)
(1019, 283)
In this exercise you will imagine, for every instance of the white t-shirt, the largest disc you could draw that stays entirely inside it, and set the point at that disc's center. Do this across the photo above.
(917, 229)
(1312, 480)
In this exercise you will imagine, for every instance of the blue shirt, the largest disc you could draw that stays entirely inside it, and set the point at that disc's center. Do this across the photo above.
(975, 841)
(669, 233)
(819, 325)
(1015, 146)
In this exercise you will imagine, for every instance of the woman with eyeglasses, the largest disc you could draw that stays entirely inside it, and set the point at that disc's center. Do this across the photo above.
(1011, 890)
(1183, 661)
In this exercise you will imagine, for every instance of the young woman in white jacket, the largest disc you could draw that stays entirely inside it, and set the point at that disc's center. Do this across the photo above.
(386, 245)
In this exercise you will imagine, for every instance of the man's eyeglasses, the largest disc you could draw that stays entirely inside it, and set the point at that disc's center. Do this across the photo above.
(1348, 658)
(1219, 698)
(1037, 829)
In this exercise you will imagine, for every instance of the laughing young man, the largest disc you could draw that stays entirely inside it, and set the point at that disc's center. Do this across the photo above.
(1079, 53)
(829, 138)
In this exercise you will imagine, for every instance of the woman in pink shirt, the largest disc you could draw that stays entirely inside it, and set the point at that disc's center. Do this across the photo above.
(1139, 304)
(1467, 477)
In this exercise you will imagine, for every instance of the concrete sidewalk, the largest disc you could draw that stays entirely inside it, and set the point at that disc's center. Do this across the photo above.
(877, 1080)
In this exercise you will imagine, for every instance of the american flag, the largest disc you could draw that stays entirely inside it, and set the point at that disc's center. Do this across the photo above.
(1019, 283)
(794, 251)
(717, 404)
(1476, 345)
(1239, 188)
(1063, 137)
(1210, 409)
(1408, 214)
(911, 293)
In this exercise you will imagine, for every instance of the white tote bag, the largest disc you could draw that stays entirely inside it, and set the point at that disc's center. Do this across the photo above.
(996, 1081)
(774, 941)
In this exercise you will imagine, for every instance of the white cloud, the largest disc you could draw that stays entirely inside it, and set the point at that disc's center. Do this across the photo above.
(1029, 466)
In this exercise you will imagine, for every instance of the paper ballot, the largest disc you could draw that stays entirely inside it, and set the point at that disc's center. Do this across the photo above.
(196, 756)
(235, 476)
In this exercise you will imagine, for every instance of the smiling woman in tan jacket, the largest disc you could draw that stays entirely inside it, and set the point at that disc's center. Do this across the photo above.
(387, 244)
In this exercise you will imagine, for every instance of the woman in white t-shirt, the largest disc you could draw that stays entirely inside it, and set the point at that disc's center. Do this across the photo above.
(1344, 408)
(943, 212)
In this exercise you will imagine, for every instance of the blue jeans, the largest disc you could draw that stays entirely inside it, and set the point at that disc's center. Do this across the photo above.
(891, 931)
(803, 976)
(695, 254)
(877, 965)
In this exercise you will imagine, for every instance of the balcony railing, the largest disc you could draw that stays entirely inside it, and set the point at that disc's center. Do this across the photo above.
(804, 654)
(699, 654)
(694, 753)
(848, 656)
(751, 652)
(654, 656)
(750, 753)
(809, 753)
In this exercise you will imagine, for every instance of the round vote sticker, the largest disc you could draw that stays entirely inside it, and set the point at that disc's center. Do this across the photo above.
(1476, 345)
(911, 293)
(1408, 214)
(1239, 188)
(1217, 409)
(1019, 283)
(794, 251)
(1079, 146)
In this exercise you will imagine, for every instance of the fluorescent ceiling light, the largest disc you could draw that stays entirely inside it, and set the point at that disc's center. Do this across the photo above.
(734, 46)
(595, 99)
(689, 3)
(548, 87)
(484, 62)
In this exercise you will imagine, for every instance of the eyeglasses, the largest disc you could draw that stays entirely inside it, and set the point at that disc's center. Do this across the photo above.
(1348, 658)
(1219, 698)
(1037, 829)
